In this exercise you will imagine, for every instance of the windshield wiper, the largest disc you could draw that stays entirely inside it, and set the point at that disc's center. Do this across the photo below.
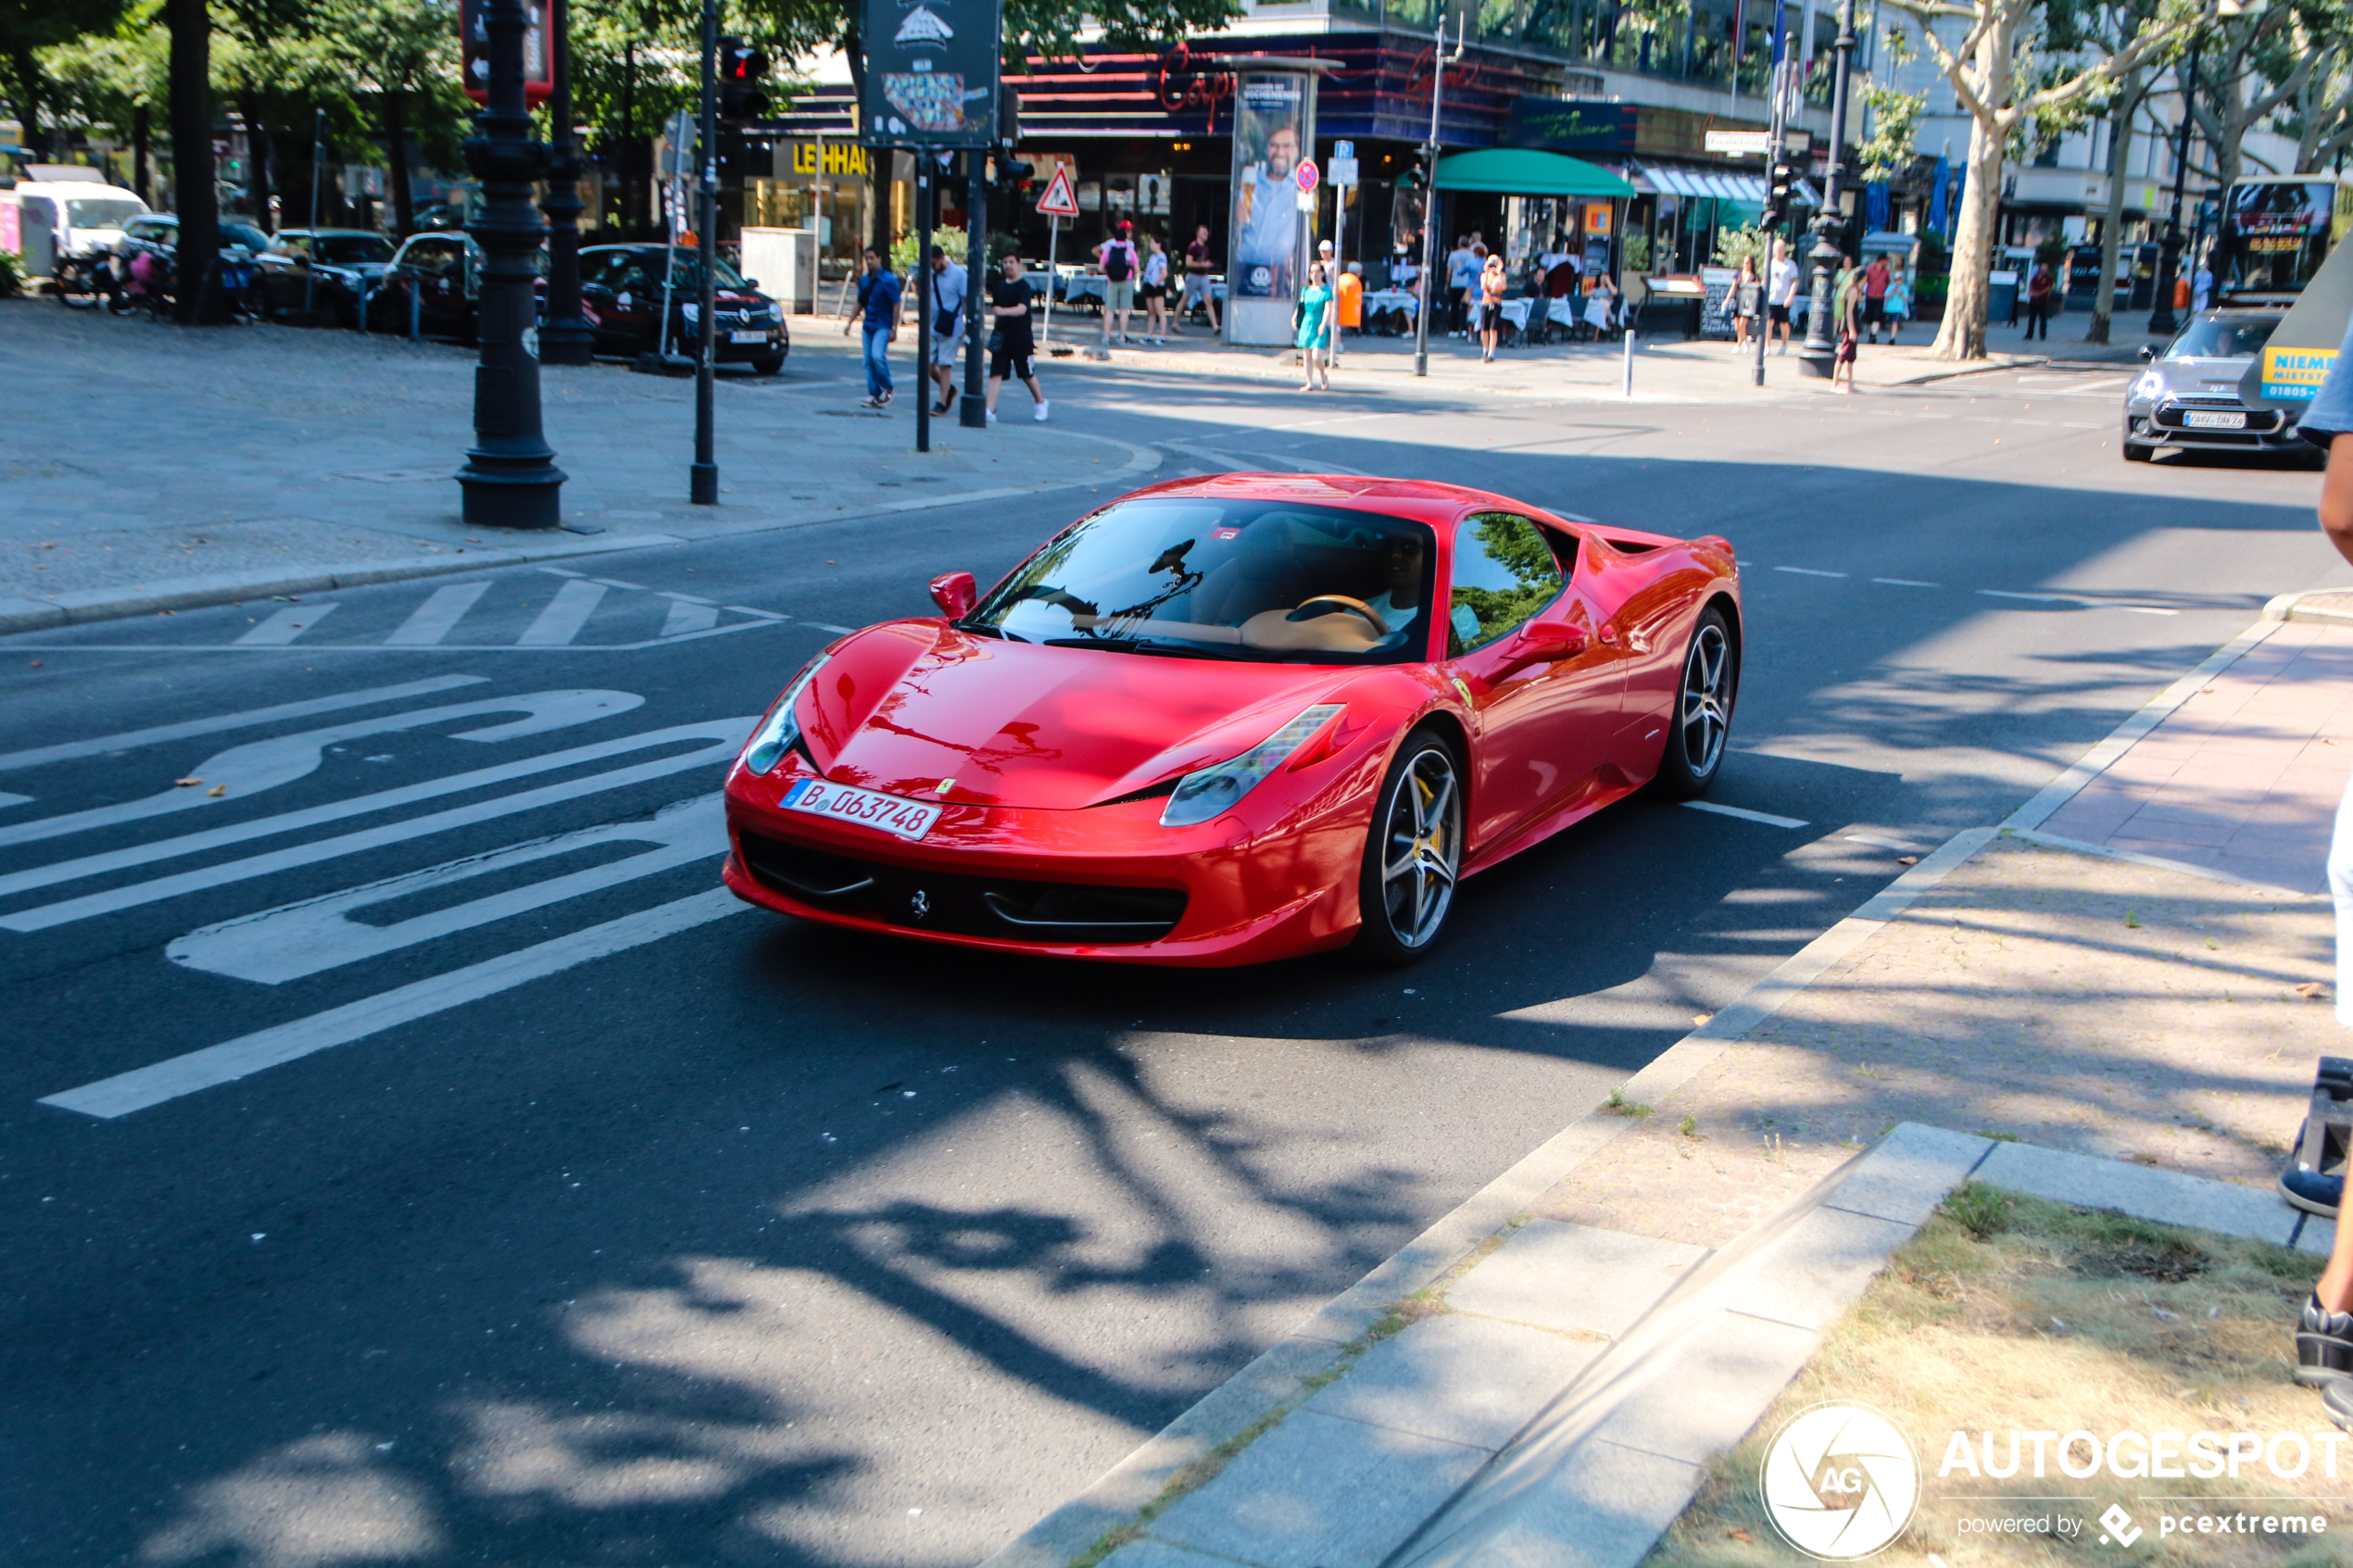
(1142, 644)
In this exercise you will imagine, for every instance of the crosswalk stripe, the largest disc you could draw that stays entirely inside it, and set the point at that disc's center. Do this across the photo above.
(565, 615)
(297, 940)
(687, 617)
(434, 619)
(131, 740)
(231, 1060)
(285, 626)
(724, 736)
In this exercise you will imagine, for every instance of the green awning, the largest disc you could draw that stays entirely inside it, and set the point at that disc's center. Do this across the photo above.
(1524, 171)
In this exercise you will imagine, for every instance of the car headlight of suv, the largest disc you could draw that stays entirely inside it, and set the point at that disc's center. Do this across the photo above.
(2149, 388)
(1202, 794)
(780, 729)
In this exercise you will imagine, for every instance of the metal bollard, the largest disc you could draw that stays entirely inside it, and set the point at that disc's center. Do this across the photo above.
(416, 310)
(1630, 361)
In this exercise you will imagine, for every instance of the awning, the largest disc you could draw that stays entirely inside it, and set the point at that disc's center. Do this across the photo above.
(1523, 171)
(1667, 179)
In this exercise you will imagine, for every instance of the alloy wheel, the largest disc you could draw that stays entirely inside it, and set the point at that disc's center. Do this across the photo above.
(1422, 847)
(1703, 714)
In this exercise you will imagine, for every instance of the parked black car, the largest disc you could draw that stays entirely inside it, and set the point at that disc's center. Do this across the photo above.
(442, 273)
(321, 271)
(620, 289)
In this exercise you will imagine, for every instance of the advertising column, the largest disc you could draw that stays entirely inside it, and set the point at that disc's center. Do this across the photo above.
(1273, 129)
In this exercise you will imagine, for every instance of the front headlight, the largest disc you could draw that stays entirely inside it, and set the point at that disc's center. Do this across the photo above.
(780, 729)
(2150, 388)
(1206, 792)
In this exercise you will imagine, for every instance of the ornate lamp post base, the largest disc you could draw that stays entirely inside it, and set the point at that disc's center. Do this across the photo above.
(505, 490)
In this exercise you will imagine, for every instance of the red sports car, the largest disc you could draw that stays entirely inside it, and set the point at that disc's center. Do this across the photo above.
(1233, 719)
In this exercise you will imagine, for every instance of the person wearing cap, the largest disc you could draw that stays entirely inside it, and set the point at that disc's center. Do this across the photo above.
(1117, 258)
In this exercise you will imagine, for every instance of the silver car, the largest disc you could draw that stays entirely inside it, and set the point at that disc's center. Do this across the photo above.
(2188, 396)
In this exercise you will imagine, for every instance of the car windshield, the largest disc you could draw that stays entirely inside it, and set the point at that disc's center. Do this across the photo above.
(347, 250)
(2221, 340)
(241, 234)
(101, 212)
(1208, 577)
(685, 273)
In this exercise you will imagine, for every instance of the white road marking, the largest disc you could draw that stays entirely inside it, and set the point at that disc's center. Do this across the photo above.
(565, 615)
(437, 617)
(690, 598)
(131, 740)
(316, 934)
(617, 583)
(1808, 571)
(231, 1060)
(1744, 814)
(1882, 843)
(7, 799)
(285, 626)
(1906, 583)
(2038, 599)
(838, 630)
(265, 764)
(763, 614)
(725, 736)
(2079, 602)
(685, 615)
(560, 571)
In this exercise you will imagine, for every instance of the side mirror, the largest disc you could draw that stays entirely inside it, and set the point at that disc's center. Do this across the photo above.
(2148, 353)
(955, 593)
(751, 283)
(1548, 643)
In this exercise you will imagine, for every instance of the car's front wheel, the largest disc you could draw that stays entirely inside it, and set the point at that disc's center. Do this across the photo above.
(1703, 701)
(1412, 854)
(767, 364)
(2135, 451)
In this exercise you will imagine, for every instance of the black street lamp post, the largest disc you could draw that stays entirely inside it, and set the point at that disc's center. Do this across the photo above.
(510, 479)
(972, 413)
(567, 336)
(2168, 254)
(1818, 357)
(702, 484)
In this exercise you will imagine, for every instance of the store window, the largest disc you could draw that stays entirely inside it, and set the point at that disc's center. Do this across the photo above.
(822, 185)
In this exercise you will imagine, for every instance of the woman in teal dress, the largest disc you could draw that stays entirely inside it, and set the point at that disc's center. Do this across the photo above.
(1314, 316)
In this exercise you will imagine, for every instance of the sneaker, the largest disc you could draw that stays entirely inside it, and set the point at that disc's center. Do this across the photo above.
(1041, 413)
(2323, 1345)
(2336, 1401)
(870, 401)
(992, 416)
(2312, 1192)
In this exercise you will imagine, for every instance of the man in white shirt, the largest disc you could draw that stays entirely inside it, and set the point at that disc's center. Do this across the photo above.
(1461, 271)
(1780, 293)
(2202, 288)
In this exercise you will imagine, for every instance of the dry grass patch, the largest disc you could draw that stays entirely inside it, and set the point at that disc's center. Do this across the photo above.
(2006, 1313)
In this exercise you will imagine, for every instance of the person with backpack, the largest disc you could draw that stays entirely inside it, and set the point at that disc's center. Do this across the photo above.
(1117, 258)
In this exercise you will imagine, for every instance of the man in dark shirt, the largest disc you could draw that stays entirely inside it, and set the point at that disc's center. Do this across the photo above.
(1199, 262)
(1010, 354)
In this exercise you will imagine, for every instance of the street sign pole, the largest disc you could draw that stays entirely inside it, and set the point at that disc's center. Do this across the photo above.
(1053, 238)
(1059, 202)
(702, 485)
(1439, 58)
(973, 414)
(1777, 85)
(1343, 172)
(926, 200)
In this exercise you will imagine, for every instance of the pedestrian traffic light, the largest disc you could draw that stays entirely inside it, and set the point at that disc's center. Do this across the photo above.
(742, 72)
(1779, 182)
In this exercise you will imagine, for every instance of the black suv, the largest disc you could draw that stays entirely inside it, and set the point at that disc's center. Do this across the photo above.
(620, 289)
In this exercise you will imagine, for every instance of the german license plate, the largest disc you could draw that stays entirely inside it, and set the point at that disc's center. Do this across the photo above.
(746, 337)
(2198, 419)
(909, 820)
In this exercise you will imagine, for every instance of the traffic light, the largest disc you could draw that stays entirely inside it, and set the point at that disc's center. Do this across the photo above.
(1779, 182)
(742, 72)
(1014, 173)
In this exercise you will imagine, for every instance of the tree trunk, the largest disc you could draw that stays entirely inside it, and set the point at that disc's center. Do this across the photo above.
(139, 155)
(2119, 158)
(404, 216)
(28, 105)
(193, 194)
(1962, 335)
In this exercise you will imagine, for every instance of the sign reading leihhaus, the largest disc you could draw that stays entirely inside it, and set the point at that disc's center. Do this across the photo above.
(931, 73)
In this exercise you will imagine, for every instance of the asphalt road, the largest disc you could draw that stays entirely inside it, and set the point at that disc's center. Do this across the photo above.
(441, 1173)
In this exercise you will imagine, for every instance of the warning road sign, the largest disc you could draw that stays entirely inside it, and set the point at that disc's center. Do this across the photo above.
(1059, 201)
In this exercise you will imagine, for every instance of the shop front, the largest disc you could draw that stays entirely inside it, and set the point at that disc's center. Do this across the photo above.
(821, 183)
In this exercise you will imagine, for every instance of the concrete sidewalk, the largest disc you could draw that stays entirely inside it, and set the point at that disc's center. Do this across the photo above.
(2079, 1020)
(154, 468)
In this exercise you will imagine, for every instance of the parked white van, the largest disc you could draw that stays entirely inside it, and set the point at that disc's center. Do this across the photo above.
(62, 209)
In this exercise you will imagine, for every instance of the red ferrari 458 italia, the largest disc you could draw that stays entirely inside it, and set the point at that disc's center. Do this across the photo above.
(1227, 720)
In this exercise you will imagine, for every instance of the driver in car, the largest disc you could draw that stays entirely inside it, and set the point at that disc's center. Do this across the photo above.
(1402, 566)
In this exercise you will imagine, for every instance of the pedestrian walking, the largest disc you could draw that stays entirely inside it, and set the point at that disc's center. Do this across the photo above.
(1744, 301)
(1311, 320)
(1462, 269)
(1850, 328)
(2038, 302)
(2202, 287)
(1118, 260)
(1011, 345)
(1780, 293)
(2324, 1329)
(1899, 303)
(948, 317)
(878, 292)
(1151, 287)
(1491, 284)
(1875, 278)
(1199, 262)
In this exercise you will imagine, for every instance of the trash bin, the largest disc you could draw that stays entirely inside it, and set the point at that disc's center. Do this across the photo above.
(2001, 297)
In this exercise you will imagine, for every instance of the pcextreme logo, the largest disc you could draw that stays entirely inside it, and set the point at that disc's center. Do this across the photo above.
(1840, 1481)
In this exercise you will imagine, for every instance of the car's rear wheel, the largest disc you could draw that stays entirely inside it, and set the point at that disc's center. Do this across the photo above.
(1704, 702)
(1412, 854)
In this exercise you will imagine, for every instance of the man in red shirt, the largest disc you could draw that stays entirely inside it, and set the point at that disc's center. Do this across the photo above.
(1875, 280)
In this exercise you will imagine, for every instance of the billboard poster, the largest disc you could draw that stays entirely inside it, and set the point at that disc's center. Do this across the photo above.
(931, 72)
(1274, 131)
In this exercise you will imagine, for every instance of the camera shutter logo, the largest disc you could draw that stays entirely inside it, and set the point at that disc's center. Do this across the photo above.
(1840, 1481)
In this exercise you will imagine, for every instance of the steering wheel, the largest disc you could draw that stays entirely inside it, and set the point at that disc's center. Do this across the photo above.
(1354, 606)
